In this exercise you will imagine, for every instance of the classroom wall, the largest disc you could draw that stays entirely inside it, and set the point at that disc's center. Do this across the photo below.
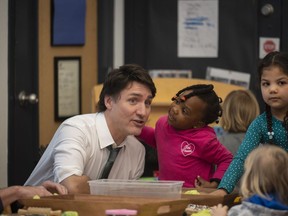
(151, 33)
(88, 54)
(3, 91)
(118, 38)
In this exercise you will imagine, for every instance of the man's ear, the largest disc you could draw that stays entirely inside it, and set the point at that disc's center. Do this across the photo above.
(108, 100)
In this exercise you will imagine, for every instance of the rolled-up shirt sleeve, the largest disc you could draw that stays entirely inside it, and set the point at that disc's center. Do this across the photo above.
(70, 153)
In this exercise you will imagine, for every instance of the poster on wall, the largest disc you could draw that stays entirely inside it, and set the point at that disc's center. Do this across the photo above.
(198, 28)
(67, 87)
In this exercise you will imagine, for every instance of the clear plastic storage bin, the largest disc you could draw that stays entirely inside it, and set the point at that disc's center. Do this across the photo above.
(136, 188)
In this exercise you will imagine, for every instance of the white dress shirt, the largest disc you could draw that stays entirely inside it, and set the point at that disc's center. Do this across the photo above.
(79, 148)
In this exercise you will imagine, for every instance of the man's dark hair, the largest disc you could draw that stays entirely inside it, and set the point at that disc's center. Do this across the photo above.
(118, 79)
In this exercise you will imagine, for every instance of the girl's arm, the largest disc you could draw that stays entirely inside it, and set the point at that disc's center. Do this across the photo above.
(148, 136)
(214, 153)
(218, 155)
(236, 168)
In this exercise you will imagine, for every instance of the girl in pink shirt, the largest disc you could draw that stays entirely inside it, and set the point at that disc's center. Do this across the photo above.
(186, 146)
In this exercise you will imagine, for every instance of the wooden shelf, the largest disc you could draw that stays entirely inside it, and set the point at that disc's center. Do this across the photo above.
(166, 89)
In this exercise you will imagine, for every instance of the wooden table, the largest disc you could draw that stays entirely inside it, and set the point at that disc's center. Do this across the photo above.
(96, 205)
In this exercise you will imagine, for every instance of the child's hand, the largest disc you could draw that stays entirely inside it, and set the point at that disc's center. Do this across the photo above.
(202, 183)
(219, 210)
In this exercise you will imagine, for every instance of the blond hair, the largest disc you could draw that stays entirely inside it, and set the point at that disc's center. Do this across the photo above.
(240, 108)
(266, 172)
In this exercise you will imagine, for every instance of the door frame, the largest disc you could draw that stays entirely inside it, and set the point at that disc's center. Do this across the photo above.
(4, 91)
(23, 132)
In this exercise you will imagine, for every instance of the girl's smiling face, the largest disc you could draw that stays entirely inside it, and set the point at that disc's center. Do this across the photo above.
(187, 114)
(274, 88)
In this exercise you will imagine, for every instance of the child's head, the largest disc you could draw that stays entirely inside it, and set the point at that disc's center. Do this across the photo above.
(278, 59)
(266, 172)
(273, 74)
(194, 107)
(240, 108)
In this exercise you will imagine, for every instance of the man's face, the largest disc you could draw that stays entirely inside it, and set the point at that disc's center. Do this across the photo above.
(127, 114)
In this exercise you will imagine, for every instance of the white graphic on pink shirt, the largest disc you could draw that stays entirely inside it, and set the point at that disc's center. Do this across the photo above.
(187, 148)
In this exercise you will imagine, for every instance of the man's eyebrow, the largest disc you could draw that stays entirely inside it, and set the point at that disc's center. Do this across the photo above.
(135, 94)
(140, 95)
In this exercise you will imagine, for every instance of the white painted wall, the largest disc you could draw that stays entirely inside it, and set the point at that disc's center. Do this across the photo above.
(118, 33)
(3, 91)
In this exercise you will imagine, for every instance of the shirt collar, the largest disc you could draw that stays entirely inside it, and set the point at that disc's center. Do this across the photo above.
(104, 135)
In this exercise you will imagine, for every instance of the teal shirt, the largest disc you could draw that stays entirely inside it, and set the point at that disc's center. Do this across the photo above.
(256, 134)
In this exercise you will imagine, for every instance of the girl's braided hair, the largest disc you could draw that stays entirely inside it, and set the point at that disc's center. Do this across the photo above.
(206, 93)
(269, 124)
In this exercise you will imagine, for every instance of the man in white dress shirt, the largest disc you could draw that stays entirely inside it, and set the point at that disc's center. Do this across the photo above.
(77, 152)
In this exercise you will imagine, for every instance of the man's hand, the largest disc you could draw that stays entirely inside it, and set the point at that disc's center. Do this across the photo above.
(55, 187)
(30, 191)
(46, 189)
(77, 184)
(13, 193)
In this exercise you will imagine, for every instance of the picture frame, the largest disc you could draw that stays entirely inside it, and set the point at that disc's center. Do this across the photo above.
(67, 87)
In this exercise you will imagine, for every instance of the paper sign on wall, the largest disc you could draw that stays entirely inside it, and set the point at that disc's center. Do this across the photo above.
(197, 28)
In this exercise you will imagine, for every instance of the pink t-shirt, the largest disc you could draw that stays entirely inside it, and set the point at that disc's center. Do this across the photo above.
(185, 154)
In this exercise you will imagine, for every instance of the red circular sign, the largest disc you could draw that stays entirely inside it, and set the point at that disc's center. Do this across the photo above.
(269, 46)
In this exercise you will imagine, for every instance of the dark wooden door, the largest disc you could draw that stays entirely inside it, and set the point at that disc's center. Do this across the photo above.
(23, 78)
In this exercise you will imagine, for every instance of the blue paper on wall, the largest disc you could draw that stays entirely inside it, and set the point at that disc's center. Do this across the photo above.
(69, 22)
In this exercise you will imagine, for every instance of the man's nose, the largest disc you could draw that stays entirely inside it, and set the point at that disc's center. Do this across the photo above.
(143, 110)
